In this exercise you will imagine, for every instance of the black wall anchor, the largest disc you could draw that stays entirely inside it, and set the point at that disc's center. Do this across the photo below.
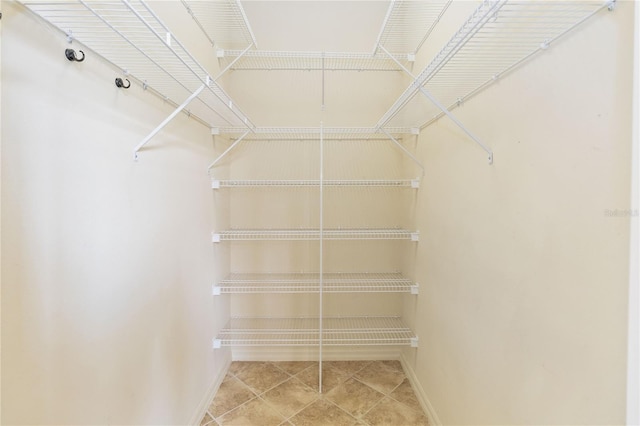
(120, 83)
(71, 55)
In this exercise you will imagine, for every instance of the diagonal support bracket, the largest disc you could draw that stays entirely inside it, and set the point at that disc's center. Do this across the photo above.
(405, 150)
(233, 145)
(441, 107)
(168, 119)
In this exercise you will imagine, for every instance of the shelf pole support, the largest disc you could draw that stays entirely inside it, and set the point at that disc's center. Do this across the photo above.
(321, 260)
(168, 119)
(233, 145)
(441, 107)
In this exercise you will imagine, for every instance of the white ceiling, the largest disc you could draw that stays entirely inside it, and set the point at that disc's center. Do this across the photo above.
(329, 26)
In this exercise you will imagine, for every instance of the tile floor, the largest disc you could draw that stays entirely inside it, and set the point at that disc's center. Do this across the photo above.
(286, 393)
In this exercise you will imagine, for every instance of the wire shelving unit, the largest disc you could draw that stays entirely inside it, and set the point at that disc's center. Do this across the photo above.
(223, 22)
(265, 60)
(336, 331)
(314, 234)
(408, 24)
(370, 183)
(393, 282)
(499, 36)
(130, 36)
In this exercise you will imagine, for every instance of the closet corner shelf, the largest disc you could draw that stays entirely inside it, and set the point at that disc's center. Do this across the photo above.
(314, 234)
(393, 282)
(336, 331)
(129, 35)
(285, 183)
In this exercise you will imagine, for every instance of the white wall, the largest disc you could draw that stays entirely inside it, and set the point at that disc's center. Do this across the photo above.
(107, 264)
(523, 305)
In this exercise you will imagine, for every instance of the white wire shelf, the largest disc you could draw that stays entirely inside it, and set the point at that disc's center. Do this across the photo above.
(129, 35)
(344, 331)
(264, 60)
(223, 22)
(499, 36)
(313, 133)
(393, 282)
(314, 234)
(370, 183)
(408, 24)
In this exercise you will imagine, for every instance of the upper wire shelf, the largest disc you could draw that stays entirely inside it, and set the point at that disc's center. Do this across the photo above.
(223, 22)
(408, 24)
(499, 36)
(336, 331)
(393, 282)
(129, 35)
(265, 60)
(314, 234)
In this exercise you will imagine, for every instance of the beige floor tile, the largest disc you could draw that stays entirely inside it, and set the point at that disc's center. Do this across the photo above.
(380, 377)
(206, 420)
(392, 413)
(290, 397)
(254, 413)
(404, 393)
(232, 393)
(322, 413)
(294, 367)
(348, 367)
(354, 397)
(330, 378)
(395, 364)
(261, 376)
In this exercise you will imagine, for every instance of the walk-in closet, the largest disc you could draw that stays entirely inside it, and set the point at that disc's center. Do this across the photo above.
(319, 212)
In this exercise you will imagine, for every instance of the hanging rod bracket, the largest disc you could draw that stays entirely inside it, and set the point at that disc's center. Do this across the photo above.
(167, 120)
(611, 5)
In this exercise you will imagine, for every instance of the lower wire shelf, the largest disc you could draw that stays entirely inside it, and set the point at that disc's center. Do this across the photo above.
(314, 234)
(390, 282)
(337, 331)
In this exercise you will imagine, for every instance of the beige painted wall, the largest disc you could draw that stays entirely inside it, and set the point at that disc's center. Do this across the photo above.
(107, 264)
(523, 304)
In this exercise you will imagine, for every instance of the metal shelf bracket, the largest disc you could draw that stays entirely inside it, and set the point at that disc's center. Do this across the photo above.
(441, 107)
(414, 342)
(169, 118)
(216, 291)
(217, 343)
(215, 237)
(414, 289)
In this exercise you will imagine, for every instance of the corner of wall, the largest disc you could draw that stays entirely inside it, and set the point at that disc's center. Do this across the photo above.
(423, 399)
(201, 410)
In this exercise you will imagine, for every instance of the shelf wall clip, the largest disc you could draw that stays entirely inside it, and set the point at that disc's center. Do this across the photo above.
(217, 343)
(414, 342)
(167, 120)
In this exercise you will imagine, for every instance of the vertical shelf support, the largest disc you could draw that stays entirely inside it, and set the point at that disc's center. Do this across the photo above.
(441, 107)
(321, 277)
(168, 119)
